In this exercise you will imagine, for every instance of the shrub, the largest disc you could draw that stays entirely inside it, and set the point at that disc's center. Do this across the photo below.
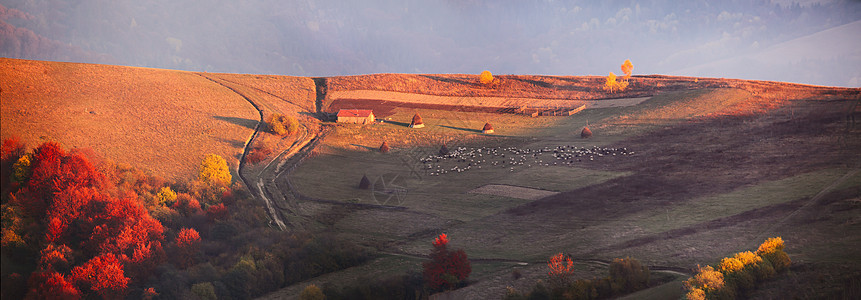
(312, 292)
(204, 291)
(486, 78)
(282, 125)
(739, 273)
(628, 275)
(257, 154)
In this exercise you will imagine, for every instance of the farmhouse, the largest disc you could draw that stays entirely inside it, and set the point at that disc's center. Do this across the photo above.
(357, 116)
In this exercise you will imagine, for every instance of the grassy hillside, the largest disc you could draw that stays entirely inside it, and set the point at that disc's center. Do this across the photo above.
(162, 121)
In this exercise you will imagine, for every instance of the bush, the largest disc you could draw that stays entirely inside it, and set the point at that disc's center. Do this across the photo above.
(282, 125)
(739, 273)
(312, 292)
(257, 154)
(486, 78)
(628, 275)
(204, 291)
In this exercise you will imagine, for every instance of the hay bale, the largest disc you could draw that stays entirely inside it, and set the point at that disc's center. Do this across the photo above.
(365, 183)
(586, 133)
(384, 148)
(487, 128)
(443, 150)
(417, 122)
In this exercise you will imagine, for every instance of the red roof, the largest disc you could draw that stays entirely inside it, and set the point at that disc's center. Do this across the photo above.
(361, 113)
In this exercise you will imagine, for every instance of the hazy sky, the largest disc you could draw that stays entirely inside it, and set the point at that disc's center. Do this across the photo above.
(814, 42)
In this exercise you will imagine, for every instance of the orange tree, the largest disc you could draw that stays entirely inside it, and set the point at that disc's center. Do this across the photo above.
(446, 269)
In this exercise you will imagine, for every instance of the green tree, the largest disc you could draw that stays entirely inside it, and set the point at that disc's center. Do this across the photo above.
(214, 170)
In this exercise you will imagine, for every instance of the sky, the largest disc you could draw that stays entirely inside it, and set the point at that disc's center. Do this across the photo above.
(809, 41)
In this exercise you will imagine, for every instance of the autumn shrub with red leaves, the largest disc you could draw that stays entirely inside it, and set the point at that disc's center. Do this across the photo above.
(446, 269)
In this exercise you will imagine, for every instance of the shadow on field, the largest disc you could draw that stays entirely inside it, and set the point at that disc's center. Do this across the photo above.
(247, 123)
(232, 143)
(461, 128)
(450, 80)
(398, 123)
(366, 147)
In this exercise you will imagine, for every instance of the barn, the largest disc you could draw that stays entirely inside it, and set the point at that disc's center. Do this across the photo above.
(357, 116)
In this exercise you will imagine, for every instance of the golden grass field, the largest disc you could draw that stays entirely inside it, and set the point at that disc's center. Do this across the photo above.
(161, 121)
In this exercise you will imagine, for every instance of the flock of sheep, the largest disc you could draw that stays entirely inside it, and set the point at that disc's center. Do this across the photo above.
(463, 159)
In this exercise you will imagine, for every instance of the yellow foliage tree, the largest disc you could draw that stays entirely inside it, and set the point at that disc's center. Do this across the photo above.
(627, 68)
(166, 196)
(214, 170)
(485, 78)
(612, 85)
(770, 245)
(282, 125)
(706, 279)
(21, 169)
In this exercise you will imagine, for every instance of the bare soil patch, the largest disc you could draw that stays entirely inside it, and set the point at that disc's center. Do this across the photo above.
(513, 191)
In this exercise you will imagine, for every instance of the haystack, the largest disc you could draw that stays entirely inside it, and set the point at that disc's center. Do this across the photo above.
(417, 122)
(487, 128)
(364, 183)
(586, 133)
(384, 147)
(443, 150)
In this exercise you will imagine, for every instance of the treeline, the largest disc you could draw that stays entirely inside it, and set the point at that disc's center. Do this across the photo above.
(78, 227)
(627, 275)
(739, 274)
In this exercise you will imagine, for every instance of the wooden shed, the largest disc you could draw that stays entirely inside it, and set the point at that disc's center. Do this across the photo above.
(357, 116)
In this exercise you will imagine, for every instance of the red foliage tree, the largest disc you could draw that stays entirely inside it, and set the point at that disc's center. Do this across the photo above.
(446, 269)
(560, 267)
(217, 212)
(55, 258)
(103, 275)
(70, 200)
(186, 204)
(187, 243)
(51, 285)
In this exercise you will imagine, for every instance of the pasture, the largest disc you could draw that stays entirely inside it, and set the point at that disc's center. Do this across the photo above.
(705, 181)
